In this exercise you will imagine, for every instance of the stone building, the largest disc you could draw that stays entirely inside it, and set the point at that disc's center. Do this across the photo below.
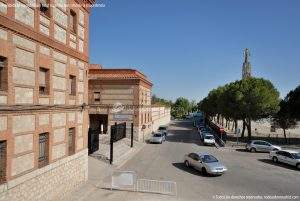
(43, 92)
(120, 95)
(246, 71)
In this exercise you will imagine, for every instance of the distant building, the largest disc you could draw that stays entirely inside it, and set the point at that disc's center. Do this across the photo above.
(246, 65)
(43, 93)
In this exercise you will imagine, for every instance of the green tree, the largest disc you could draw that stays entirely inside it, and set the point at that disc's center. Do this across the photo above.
(283, 118)
(258, 99)
(293, 102)
(180, 107)
(160, 101)
(248, 99)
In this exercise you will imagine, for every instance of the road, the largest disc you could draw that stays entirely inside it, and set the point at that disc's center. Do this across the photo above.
(249, 174)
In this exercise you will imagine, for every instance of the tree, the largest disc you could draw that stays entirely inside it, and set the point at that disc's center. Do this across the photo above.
(180, 107)
(193, 106)
(259, 99)
(160, 101)
(283, 118)
(293, 102)
(248, 99)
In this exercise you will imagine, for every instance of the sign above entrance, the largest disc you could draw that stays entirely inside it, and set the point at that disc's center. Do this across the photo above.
(122, 117)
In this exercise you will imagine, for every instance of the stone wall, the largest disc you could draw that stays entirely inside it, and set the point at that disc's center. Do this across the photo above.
(160, 116)
(263, 128)
(53, 182)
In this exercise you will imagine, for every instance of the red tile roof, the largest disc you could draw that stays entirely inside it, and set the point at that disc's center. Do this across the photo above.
(117, 74)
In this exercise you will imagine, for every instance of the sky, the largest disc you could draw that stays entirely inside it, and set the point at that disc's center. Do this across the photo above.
(186, 48)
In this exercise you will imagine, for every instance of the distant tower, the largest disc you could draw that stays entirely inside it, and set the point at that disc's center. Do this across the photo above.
(246, 64)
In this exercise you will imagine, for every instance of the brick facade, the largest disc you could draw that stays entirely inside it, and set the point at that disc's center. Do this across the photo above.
(127, 87)
(31, 40)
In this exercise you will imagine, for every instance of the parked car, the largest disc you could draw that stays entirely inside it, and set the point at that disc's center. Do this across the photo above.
(163, 129)
(157, 138)
(289, 157)
(262, 146)
(203, 134)
(204, 162)
(209, 140)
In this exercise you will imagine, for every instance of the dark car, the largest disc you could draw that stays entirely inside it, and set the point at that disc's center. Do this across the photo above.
(163, 130)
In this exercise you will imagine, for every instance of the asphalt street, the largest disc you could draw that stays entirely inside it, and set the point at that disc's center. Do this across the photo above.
(249, 174)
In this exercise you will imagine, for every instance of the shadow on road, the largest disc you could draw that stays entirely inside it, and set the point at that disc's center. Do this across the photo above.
(191, 170)
(241, 150)
(184, 132)
(268, 161)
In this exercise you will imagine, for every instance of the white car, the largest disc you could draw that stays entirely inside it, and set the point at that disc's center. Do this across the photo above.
(157, 138)
(204, 162)
(209, 140)
(262, 146)
(290, 157)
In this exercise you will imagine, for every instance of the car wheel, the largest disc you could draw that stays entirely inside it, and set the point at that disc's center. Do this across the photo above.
(253, 150)
(186, 163)
(298, 166)
(203, 170)
(275, 159)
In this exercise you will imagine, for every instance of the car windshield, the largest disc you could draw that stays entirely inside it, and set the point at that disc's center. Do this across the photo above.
(296, 155)
(209, 159)
(162, 128)
(209, 137)
(157, 135)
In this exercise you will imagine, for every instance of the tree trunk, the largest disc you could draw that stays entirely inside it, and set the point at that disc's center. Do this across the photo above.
(235, 124)
(248, 125)
(244, 128)
(284, 133)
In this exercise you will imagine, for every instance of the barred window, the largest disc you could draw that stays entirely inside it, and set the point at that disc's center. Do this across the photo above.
(72, 85)
(71, 141)
(3, 73)
(43, 150)
(3, 156)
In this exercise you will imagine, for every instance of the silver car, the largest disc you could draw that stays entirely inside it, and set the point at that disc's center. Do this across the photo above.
(157, 138)
(261, 146)
(286, 156)
(204, 162)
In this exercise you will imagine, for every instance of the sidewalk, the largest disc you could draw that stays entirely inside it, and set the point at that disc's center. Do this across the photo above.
(99, 173)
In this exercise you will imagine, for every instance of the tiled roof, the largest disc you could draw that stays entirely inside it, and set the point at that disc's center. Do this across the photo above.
(117, 74)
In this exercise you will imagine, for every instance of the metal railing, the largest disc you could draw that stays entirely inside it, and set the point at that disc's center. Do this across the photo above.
(127, 180)
(156, 186)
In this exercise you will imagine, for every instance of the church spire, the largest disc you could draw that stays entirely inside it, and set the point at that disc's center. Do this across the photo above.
(246, 65)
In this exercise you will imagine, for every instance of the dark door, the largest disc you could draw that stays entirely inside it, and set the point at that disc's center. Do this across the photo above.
(118, 131)
(93, 140)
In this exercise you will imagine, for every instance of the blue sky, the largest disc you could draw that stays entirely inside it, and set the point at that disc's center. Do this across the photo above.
(189, 47)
